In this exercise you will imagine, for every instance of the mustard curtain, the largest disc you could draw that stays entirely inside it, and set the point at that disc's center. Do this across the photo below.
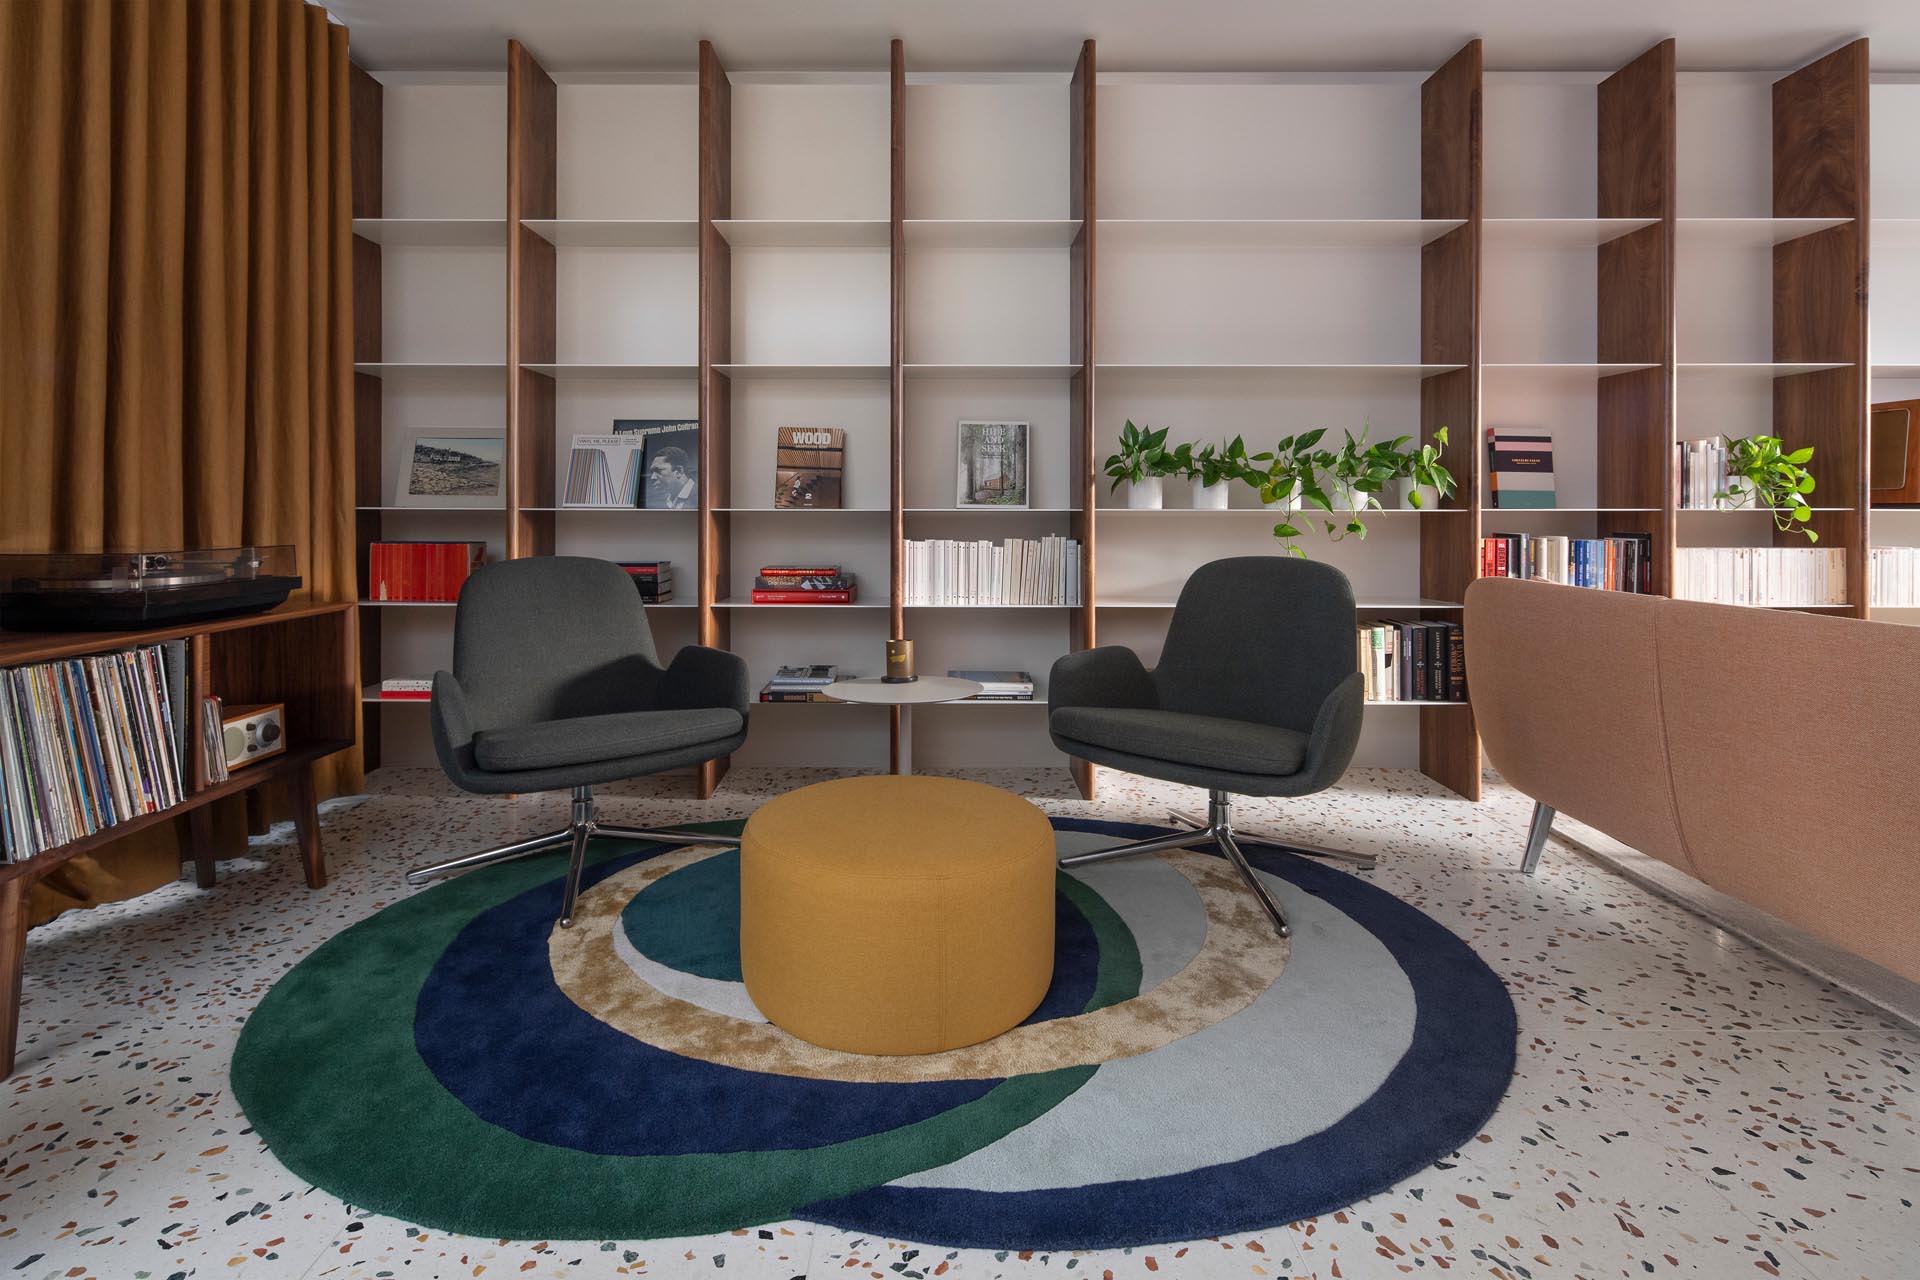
(176, 327)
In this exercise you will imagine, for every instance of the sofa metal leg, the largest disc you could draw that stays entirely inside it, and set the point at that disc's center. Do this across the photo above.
(1538, 830)
(665, 833)
(487, 857)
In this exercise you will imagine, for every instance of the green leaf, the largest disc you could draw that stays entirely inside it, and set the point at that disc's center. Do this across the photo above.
(1800, 457)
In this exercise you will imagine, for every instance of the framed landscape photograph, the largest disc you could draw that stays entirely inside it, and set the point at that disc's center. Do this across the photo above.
(451, 467)
(991, 468)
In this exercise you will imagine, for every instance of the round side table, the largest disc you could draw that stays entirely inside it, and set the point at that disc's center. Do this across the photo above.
(904, 696)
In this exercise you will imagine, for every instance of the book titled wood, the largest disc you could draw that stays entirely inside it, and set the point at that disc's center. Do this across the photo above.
(809, 468)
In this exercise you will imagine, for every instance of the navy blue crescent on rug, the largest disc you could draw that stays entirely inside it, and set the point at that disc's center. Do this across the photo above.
(457, 1062)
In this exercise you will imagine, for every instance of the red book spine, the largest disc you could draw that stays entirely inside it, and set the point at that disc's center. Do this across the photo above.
(1501, 567)
(802, 597)
(446, 572)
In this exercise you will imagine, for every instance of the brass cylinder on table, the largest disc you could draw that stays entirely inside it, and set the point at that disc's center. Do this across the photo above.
(899, 663)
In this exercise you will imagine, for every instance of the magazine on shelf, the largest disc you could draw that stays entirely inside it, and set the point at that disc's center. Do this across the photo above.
(991, 464)
(809, 469)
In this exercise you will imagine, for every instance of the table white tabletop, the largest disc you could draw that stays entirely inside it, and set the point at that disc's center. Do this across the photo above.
(925, 689)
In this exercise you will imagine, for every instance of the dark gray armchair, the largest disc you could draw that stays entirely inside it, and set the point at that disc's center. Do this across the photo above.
(556, 685)
(1257, 694)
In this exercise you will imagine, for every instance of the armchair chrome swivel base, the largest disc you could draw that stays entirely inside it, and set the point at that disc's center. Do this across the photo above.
(1364, 861)
(582, 825)
(1218, 829)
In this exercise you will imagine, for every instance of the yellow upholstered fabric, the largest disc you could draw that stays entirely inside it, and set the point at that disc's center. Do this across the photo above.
(896, 915)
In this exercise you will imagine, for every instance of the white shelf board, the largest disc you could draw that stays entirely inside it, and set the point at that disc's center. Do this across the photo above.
(989, 511)
(613, 372)
(1557, 233)
(428, 369)
(616, 233)
(1363, 603)
(990, 233)
(731, 603)
(490, 233)
(1311, 512)
(406, 604)
(1276, 372)
(1275, 233)
(989, 606)
(1565, 511)
(982, 372)
(616, 511)
(1735, 370)
(803, 371)
(824, 233)
(1408, 702)
(1557, 372)
(804, 511)
(1896, 371)
(1749, 232)
(1751, 511)
(457, 511)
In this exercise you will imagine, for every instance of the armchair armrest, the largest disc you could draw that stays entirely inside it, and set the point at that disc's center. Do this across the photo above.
(1110, 676)
(453, 726)
(1336, 732)
(701, 677)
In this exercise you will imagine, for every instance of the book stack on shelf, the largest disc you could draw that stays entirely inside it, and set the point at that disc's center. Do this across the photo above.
(805, 683)
(654, 578)
(803, 584)
(999, 686)
(1893, 577)
(1622, 562)
(1413, 661)
(1767, 577)
(421, 572)
(1703, 473)
(1020, 571)
(406, 689)
(1520, 469)
(89, 742)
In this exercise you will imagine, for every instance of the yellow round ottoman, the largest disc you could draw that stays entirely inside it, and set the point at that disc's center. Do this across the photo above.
(897, 914)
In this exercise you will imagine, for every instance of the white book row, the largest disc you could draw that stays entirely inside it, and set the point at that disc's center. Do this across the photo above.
(1017, 571)
(1893, 577)
(1770, 577)
(1703, 473)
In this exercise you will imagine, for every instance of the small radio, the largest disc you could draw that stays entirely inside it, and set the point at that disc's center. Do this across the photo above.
(253, 733)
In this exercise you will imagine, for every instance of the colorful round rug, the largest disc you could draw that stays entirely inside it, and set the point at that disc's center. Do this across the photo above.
(457, 1062)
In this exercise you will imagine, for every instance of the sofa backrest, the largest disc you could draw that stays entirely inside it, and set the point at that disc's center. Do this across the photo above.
(1767, 752)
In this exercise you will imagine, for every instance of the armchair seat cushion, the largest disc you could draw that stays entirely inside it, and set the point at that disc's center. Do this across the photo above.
(1196, 741)
(552, 744)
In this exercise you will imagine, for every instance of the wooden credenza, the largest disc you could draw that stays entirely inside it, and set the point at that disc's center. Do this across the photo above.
(302, 655)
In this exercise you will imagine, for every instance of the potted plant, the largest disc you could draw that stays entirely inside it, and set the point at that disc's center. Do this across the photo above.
(1142, 461)
(1211, 469)
(1424, 481)
(1287, 477)
(1763, 475)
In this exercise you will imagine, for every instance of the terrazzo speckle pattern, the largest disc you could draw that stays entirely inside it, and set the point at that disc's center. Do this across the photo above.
(1684, 1105)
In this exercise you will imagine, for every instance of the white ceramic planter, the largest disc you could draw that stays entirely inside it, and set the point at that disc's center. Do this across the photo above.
(1429, 496)
(1144, 495)
(1211, 497)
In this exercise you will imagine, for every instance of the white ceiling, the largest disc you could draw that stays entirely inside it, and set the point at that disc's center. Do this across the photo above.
(1170, 35)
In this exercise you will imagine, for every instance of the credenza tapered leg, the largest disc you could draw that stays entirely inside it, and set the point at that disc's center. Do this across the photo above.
(13, 955)
(200, 832)
(306, 823)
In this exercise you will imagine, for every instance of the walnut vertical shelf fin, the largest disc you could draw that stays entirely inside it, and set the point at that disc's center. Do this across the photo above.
(716, 348)
(896, 377)
(1081, 453)
(1636, 322)
(1820, 294)
(367, 130)
(532, 192)
(1450, 187)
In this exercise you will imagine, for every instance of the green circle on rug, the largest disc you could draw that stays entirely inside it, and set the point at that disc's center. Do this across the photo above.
(690, 920)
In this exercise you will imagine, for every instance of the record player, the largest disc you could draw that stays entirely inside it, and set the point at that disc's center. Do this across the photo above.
(125, 591)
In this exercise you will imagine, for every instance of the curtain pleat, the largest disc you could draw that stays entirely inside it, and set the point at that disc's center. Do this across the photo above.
(176, 321)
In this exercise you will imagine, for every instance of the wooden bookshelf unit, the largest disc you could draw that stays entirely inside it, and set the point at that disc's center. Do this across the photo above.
(302, 655)
(1628, 257)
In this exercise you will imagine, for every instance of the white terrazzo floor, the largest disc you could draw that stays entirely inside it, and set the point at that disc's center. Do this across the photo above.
(1684, 1104)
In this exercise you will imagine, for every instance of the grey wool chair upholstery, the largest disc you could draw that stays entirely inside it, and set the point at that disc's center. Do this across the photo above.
(1257, 693)
(556, 685)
